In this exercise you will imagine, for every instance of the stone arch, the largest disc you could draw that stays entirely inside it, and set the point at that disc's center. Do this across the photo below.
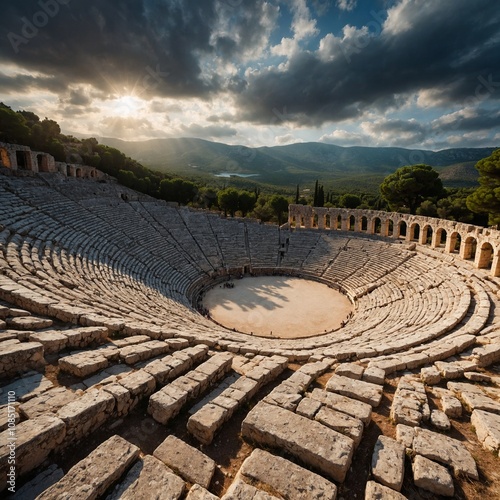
(415, 232)
(339, 222)
(68, 170)
(42, 162)
(293, 221)
(352, 223)
(484, 256)
(315, 220)
(402, 229)
(364, 223)
(426, 235)
(5, 158)
(328, 221)
(454, 242)
(440, 238)
(78, 173)
(376, 226)
(23, 160)
(468, 248)
(389, 227)
(93, 173)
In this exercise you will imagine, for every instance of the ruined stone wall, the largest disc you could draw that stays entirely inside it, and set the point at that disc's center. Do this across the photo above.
(479, 244)
(20, 158)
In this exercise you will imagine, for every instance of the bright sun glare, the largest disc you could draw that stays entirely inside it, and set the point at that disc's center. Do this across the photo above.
(126, 105)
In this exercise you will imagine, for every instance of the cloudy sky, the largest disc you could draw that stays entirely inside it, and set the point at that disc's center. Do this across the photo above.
(409, 73)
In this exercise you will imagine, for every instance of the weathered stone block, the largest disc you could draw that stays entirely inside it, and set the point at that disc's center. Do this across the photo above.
(149, 478)
(34, 439)
(487, 426)
(446, 450)
(286, 478)
(388, 462)
(206, 421)
(356, 389)
(308, 440)
(93, 475)
(190, 463)
(432, 477)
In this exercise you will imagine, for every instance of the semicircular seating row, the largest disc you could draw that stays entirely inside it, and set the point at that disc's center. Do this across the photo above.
(75, 250)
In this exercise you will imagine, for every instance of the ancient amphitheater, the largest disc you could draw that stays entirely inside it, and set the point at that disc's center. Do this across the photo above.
(114, 385)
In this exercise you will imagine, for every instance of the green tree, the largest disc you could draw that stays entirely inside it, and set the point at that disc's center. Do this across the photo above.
(13, 126)
(486, 198)
(246, 202)
(279, 206)
(228, 200)
(177, 190)
(349, 200)
(406, 188)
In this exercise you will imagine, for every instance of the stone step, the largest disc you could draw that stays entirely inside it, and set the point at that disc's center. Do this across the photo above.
(356, 389)
(289, 480)
(32, 441)
(388, 462)
(309, 441)
(93, 475)
(21, 356)
(149, 478)
(191, 464)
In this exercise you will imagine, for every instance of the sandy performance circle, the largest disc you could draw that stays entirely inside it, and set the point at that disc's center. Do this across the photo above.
(277, 306)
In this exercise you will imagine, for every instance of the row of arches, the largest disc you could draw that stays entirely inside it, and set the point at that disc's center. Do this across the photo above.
(468, 242)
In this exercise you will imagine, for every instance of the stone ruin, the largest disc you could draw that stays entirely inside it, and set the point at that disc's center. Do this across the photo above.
(113, 385)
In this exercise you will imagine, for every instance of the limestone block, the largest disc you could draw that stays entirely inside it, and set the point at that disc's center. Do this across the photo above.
(449, 371)
(190, 463)
(440, 421)
(307, 440)
(6, 412)
(29, 323)
(314, 369)
(376, 491)
(177, 366)
(445, 450)
(139, 383)
(20, 357)
(48, 402)
(28, 387)
(405, 435)
(246, 386)
(308, 407)
(479, 401)
(477, 377)
(430, 375)
(351, 370)
(356, 389)
(159, 370)
(487, 354)
(167, 403)
(240, 490)
(34, 440)
(83, 364)
(52, 341)
(388, 462)
(340, 422)
(374, 375)
(123, 399)
(352, 407)
(432, 477)
(197, 492)
(206, 421)
(149, 478)
(86, 413)
(451, 406)
(134, 353)
(285, 396)
(487, 426)
(39, 483)
(92, 476)
(286, 478)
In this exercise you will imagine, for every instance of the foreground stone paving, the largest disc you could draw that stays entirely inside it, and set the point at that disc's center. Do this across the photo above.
(118, 388)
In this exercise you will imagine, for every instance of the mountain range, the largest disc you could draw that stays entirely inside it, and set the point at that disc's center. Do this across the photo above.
(353, 168)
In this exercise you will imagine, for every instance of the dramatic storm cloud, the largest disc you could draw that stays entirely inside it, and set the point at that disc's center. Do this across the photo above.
(414, 73)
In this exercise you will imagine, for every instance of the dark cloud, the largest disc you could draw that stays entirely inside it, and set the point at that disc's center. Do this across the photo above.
(208, 132)
(152, 45)
(428, 45)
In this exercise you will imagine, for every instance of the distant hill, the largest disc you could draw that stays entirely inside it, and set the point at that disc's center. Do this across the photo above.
(286, 166)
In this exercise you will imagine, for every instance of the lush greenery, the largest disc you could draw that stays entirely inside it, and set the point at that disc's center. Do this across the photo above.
(486, 198)
(414, 189)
